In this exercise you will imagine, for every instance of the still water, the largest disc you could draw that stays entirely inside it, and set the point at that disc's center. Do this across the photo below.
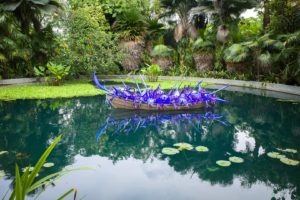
(124, 148)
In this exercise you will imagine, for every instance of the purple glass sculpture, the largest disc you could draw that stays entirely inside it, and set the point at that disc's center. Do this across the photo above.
(157, 99)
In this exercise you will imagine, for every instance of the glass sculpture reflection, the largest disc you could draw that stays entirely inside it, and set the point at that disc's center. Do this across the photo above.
(125, 122)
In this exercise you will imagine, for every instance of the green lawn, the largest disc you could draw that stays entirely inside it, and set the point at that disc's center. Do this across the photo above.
(67, 90)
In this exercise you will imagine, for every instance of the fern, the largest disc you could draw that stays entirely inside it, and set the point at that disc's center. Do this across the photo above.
(162, 51)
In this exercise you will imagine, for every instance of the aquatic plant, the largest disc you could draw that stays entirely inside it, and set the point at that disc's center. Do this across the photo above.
(3, 152)
(202, 149)
(170, 151)
(288, 150)
(236, 159)
(223, 163)
(48, 165)
(183, 146)
(273, 154)
(26, 183)
(159, 98)
(288, 161)
(152, 71)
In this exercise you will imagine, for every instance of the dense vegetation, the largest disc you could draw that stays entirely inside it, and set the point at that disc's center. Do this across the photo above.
(184, 37)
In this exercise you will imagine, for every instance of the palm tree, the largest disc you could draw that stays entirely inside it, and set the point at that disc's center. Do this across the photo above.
(224, 13)
(13, 44)
(29, 12)
(186, 26)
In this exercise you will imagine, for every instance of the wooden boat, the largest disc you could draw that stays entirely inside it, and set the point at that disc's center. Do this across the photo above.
(156, 99)
(123, 104)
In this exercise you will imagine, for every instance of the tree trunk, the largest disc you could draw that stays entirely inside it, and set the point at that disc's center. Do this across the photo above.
(4, 71)
(266, 17)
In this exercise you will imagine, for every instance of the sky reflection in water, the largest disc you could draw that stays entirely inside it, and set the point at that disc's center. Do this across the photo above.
(129, 164)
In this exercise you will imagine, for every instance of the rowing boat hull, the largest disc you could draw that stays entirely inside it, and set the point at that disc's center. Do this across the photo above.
(123, 104)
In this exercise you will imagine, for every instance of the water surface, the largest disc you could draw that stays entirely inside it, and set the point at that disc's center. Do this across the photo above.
(127, 158)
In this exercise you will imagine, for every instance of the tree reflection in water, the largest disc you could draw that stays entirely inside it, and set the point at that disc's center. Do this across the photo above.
(256, 125)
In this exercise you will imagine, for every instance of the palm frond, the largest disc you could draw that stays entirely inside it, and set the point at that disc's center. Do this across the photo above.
(3, 59)
(161, 51)
(265, 59)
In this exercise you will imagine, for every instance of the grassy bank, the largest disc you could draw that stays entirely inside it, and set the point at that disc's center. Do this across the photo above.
(67, 90)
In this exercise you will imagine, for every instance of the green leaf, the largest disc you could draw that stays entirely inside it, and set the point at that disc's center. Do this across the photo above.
(212, 169)
(290, 150)
(202, 149)
(28, 168)
(183, 146)
(169, 151)
(47, 165)
(20, 195)
(273, 154)
(53, 177)
(288, 161)
(2, 173)
(3, 152)
(236, 159)
(40, 163)
(11, 5)
(67, 193)
(223, 163)
(40, 2)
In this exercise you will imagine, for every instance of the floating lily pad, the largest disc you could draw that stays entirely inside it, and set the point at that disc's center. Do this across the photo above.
(2, 173)
(290, 150)
(21, 155)
(170, 151)
(202, 149)
(3, 152)
(49, 164)
(183, 146)
(212, 169)
(30, 169)
(223, 163)
(273, 154)
(236, 159)
(280, 156)
(288, 161)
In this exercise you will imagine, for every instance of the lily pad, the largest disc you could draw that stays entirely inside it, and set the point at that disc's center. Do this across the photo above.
(2, 173)
(49, 164)
(212, 169)
(202, 149)
(236, 159)
(3, 152)
(273, 154)
(288, 161)
(170, 151)
(223, 163)
(183, 146)
(30, 169)
(290, 150)
(280, 156)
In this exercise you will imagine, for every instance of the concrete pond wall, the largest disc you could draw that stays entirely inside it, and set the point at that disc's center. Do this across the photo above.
(259, 88)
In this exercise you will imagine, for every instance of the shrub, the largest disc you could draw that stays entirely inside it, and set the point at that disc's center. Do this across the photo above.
(53, 73)
(162, 51)
(131, 24)
(152, 71)
(237, 53)
(88, 45)
(203, 45)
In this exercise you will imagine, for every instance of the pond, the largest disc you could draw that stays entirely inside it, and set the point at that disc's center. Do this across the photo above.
(126, 154)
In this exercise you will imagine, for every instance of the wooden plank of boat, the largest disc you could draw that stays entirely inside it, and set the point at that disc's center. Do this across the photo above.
(123, 104)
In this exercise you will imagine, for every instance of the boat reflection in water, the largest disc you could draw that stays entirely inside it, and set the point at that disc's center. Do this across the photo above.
(126, 122)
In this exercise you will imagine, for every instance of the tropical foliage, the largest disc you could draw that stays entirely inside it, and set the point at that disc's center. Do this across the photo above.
(183, 37)
(152, 71)
(25, 183)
